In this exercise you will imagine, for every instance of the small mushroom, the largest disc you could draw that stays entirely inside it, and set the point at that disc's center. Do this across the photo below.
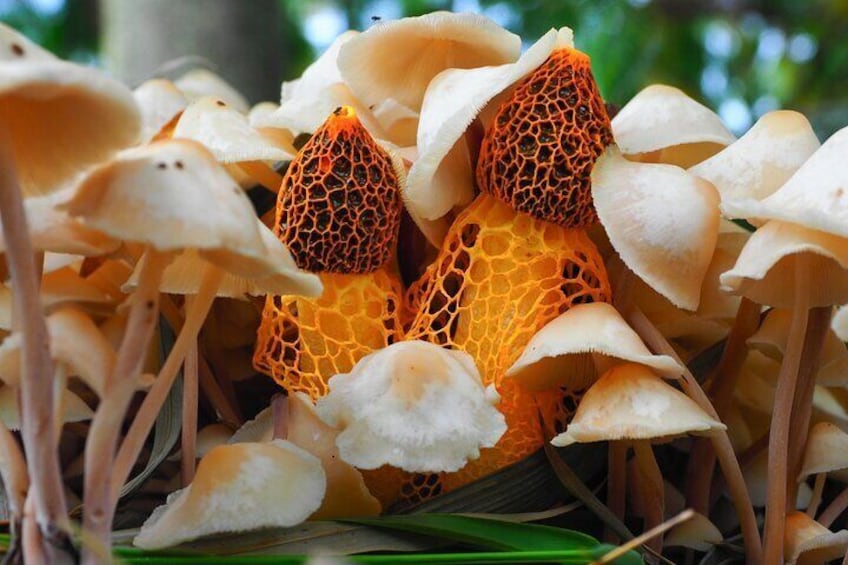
(696, 533)
(826, 452)
(159, 100)
(809, 543)
(198, 83)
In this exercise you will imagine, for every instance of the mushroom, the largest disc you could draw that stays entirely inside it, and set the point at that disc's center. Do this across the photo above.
(807, 542)
(198, 83)
(826, 451)
(697, 533)
(159, 100)
(239, 487)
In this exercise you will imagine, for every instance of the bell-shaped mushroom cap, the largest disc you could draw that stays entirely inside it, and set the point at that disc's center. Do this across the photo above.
(441, 178)
(159, 101)
(696, 533)
(827, 450)
(412, 405)
(60, 117)
(73, 408)
(763, 159)
(630, 402)
(756, 477)
(198, 83)
(816, 196)
(173, 195)
(806, 542)
(346, 493)
(560, 353)
(839, 323)
(239, 487)
(663, 118)
(398, 59)
(755, 389)
(185, 273)
(765, 270)
(773, 334)
(226, 133)
(662, 221)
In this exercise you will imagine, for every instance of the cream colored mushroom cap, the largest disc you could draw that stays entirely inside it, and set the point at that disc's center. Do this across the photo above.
(559, 353)
(806, 542)
(765, 269)
(661, 220)
(73, 408)
(159, 100)
(827, 450)
(763, 159)
(412, 405)
(239, 487)
(756, 475)
(696, 533)
(631, 402)
(226, 133)
(816, 196)
(663, 117)
(398, 59)
(198, 83)
(60, 117)
(441, 178)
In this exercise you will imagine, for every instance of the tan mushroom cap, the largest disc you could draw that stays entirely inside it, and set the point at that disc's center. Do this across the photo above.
(560, 354)
(412, 405)
(806, 542)
(73, 408)
(763, 159)
(60, 117)
(663, 118)
(827, 450)
(441, 178)
(756, 477)
(696, 533)
(755, 388)
(198, 83)
(398, 59)
(816, 196)
(773, 334)
(159, 100)
(662, 221)
(239, 487)
(631, 402)
(765, 270)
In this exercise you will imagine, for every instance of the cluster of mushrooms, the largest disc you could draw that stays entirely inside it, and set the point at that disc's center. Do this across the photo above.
(470, 256)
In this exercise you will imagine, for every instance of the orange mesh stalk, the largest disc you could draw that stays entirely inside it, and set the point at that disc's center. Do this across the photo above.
(338, 211)
(539, 152)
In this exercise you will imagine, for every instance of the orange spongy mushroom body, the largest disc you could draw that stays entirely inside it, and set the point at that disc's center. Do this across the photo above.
(338, 211)
(545, 139)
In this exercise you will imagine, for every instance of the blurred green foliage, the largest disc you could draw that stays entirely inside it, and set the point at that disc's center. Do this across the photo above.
(741, 57)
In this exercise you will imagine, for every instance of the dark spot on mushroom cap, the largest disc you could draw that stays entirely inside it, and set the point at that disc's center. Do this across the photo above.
(178, 164)
(220, 103)
(17, 49)
(161, 165)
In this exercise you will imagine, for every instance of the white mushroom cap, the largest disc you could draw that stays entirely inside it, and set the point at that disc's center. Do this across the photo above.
(773, 334)
(412, 405)
(663, 118)
(226, 133)
(696, 533)
(239, 487)
(816, 196)
(827, 450)
(662, 221)
(198, 83)
(398, 59)
(60, 117)
(630, 402)
(159, 101)
(765, 270)
(73, 408)
(806, 542)
(441, 178)
(561, 352)
(763, 159)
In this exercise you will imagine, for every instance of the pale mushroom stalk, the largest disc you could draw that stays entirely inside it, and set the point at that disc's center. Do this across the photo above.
(721, 442)
(264, 175)
(118, 392)
(834, 509)
(726, 375)
(36, 386)
(146, 416)
(651, 485)
(815, 499)
(188, 440)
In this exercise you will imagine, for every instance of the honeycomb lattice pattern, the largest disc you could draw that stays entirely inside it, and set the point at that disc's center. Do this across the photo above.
(499, 278)
(539, 151)
(339, 206)
(302, 342)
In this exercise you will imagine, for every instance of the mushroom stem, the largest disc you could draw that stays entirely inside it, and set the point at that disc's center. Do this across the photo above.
(37, 381)
(617, 482)
(651, 485)
(721, 442)
(60, 381)
(815, 499)
(146, 415)
(726, 375)
(118, 391)
(188, 441)
(280, 416)
(778, 449)
(264, 175)
(32, 544)
(13, 471)
(834, 509)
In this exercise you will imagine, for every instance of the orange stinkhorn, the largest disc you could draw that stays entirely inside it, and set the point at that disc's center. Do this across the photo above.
(338, 211)
(517, 257)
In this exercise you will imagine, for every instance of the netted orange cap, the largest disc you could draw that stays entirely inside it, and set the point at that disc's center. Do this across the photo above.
(339, 206)
(539, 151)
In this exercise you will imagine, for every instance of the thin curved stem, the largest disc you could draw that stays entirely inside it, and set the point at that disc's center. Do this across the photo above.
(835, 509)
(815, 499)
(188, 442)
